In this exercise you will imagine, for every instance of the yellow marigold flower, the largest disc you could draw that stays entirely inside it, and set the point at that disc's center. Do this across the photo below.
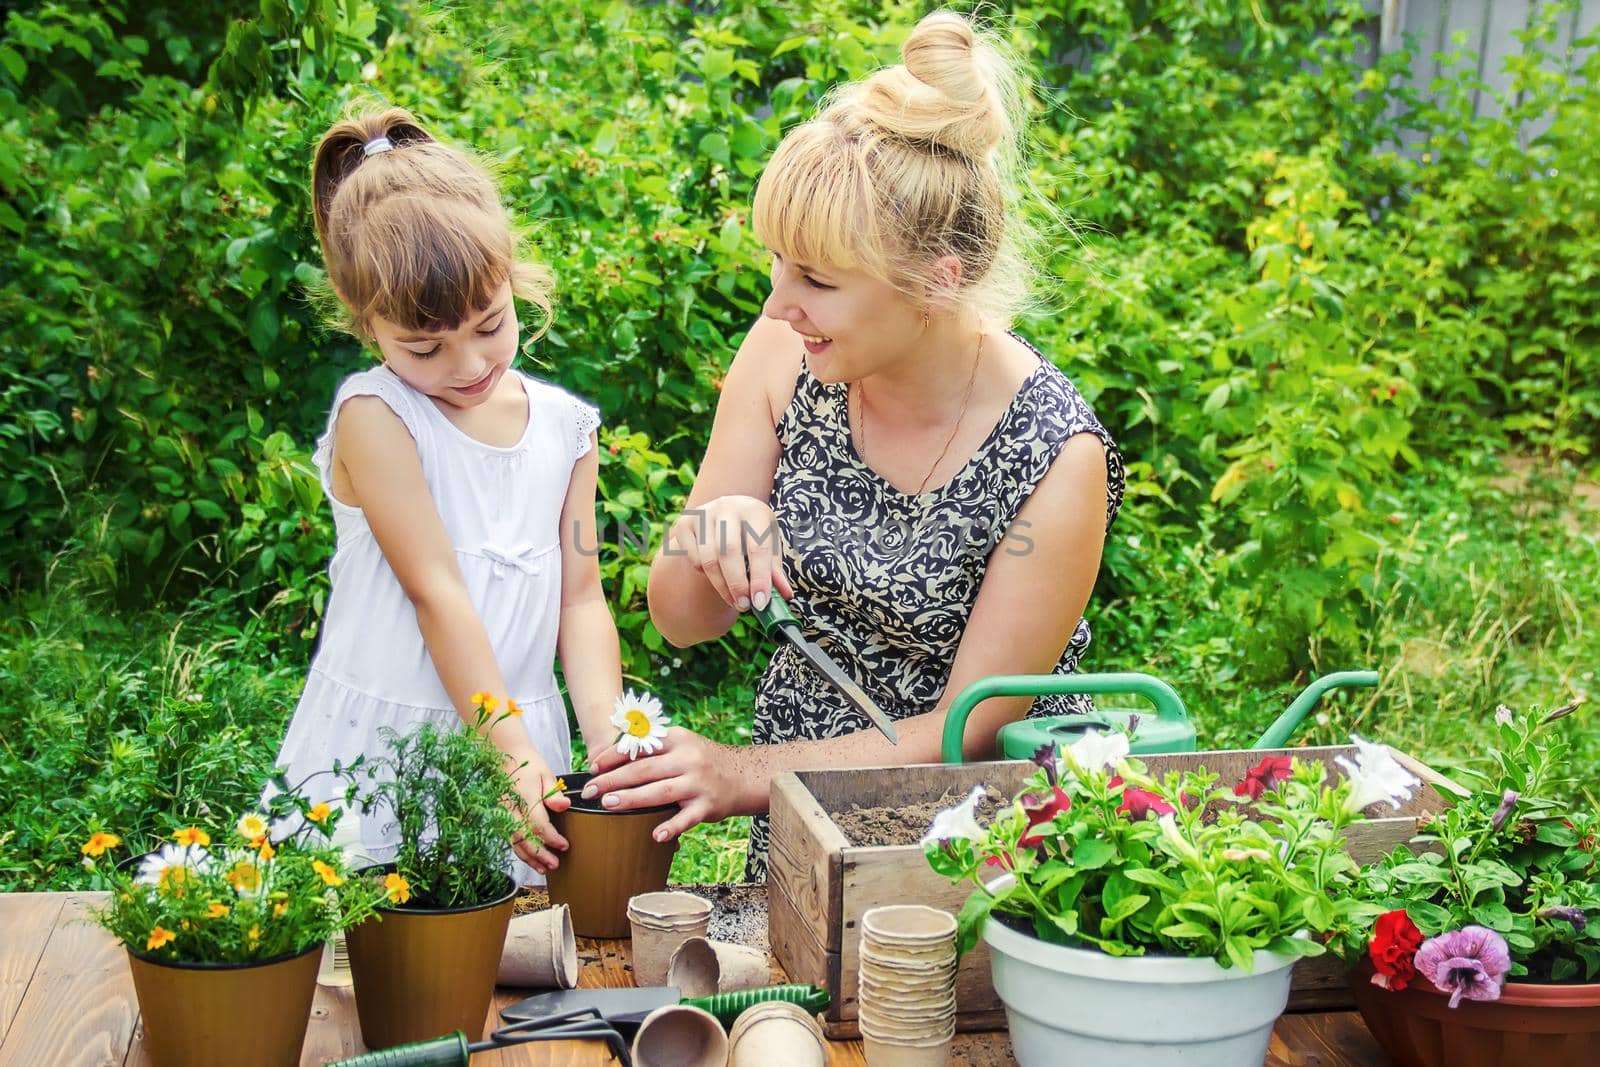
(254, 935)
(512, 711)
(486, 701)
(159, 937)
(319, 814)
(267, 851)
(279, 908)
(217, 910)
(98, 842)
(251, 827)
(192, 835)
(398, 888)
(329, 875)
(244, 877)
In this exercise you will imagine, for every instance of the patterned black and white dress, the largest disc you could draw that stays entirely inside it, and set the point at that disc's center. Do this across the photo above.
(885, 581)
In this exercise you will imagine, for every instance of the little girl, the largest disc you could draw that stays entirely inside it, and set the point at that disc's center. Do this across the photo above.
(461, 488)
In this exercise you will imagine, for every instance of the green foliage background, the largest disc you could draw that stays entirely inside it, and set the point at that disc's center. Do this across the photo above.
(1311, 347)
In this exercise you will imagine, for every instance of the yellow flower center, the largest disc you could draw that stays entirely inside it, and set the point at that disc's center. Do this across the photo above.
(638, 723)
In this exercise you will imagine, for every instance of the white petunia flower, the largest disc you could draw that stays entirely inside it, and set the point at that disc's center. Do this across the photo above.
(1376, 776)
(957, 823)
(173, 864)
(1095, 751)
(642, 724)
(1503, 715)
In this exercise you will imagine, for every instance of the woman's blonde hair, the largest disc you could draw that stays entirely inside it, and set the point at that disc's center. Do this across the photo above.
(916, 162)
(415, 234)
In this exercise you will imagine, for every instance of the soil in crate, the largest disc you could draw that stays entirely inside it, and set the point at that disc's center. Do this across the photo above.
(904, 824)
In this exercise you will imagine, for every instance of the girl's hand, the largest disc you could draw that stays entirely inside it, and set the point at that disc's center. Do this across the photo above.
(734, 542)
(707, 781)
(537, 784)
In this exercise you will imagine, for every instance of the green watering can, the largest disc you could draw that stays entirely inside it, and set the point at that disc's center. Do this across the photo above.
(1169, 730)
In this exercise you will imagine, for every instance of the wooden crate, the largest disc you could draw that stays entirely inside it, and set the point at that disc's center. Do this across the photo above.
(819, 884)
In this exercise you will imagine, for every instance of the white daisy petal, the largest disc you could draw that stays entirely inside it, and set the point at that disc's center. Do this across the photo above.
(641, 724)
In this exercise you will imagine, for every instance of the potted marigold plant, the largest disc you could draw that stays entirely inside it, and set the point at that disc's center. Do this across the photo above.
(425, 964)
(225, 924)
(1481, 945)
(1136, 920)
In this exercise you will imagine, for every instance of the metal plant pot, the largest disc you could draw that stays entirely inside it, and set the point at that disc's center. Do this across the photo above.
(422, 972)
(241, 1014)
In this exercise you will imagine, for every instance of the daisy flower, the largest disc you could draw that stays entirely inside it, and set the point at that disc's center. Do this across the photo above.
(173, 864)
(642, 724)
(250, 827)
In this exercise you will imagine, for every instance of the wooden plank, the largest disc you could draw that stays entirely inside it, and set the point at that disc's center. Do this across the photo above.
(796, 947)
(1326, 1040)
(803, 857)
(79, 1010)
(25, 924)
(334, 1032)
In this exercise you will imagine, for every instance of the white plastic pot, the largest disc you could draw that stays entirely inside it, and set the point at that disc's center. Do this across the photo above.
(1079, 1006)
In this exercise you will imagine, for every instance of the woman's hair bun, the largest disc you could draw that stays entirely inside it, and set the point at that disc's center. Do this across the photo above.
(953, 90)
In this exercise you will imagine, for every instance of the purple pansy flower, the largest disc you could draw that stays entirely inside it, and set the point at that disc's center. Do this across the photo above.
(1471, 962)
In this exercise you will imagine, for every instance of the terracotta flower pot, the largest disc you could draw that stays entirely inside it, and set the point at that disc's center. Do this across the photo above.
(192, 1011)
(420, 973)
(1531, 1025)
(611, 857)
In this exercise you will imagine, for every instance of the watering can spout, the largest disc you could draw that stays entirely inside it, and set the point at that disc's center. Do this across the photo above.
(1281, 730)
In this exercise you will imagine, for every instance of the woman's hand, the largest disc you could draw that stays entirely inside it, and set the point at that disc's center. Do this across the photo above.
(707, 781)
(535, 782)
(734, 542)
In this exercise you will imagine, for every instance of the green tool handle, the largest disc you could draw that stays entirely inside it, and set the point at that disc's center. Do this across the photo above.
(449, 1051)
(776, 613)
(726, 1007)
(1286, 723)
(1163, 696)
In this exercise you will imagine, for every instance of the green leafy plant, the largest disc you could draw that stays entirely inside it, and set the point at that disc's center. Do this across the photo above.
(455, 804)
(233, 895)
(1104, 856)
(1506, 857)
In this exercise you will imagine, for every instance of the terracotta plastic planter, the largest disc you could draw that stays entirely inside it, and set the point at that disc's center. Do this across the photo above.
(1531, 1025)
(610, 858)
(192, 1011)
(420, 973)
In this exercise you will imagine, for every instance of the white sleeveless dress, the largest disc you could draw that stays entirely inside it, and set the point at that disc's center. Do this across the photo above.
(502, 510)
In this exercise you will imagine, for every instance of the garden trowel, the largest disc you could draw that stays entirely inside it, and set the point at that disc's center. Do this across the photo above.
(777, 618)
(626, 1008)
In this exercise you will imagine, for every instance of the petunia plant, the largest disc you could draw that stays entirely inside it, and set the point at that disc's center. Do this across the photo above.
(454, 803)
(1504, 884)
(232, 894)
(1106, 856)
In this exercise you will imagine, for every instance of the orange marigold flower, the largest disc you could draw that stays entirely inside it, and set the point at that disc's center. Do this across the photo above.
(329, 875)
(398, 888)
(254, 935)
(512, 710)
(98, 842)
(217, 910)
(486, 701)
(319, 813)
(267, 851)
(159, 936)
(192, 835)
(279, 908)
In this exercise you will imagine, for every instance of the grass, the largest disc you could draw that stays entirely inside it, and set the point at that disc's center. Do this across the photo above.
(130, 721)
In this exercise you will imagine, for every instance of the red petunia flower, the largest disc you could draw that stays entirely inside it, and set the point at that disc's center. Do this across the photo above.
(1265, 776)
(1041, 813)
(1395, 940)
(1139, 803)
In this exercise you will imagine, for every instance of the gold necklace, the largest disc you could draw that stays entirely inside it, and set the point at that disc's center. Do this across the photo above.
(861, 420)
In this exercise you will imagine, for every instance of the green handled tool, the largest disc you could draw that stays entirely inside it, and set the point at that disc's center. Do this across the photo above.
(628, 1007)
(455, 1050)
(777, 619)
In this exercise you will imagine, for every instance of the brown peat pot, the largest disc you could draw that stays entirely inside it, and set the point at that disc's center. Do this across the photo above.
(1531, 1025)
(195, 1014)
(610, 858)
(421, 972)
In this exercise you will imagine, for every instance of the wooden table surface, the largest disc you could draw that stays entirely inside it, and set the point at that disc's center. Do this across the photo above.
(66, 998)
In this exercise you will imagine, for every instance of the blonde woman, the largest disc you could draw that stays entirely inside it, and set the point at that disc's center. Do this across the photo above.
(928, 491)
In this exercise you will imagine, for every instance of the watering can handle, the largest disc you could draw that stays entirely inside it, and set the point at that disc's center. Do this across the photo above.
(1286, 723)
(1163, 696)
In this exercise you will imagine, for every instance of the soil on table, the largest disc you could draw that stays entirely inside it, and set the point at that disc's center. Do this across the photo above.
(738, 912)
(904, 824)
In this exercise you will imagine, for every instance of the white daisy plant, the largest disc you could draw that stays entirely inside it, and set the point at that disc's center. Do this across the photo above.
(641, 724)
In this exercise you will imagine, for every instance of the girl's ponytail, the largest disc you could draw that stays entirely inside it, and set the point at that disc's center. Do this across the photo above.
(411, 229)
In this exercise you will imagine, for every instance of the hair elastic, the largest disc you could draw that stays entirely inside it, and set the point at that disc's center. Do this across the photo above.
(380, 143)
